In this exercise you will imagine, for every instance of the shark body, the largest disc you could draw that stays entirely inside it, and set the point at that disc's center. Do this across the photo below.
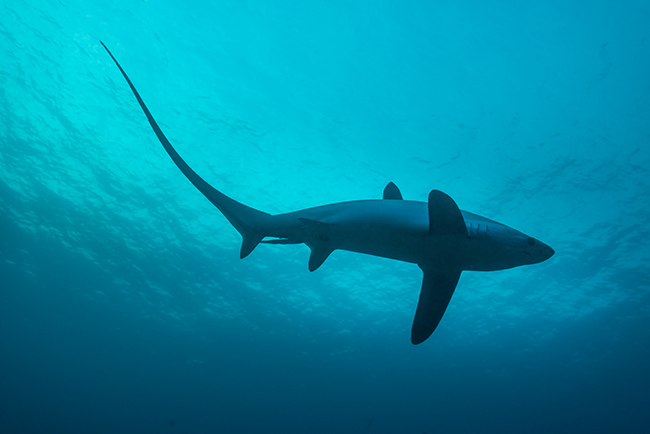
(436, 235)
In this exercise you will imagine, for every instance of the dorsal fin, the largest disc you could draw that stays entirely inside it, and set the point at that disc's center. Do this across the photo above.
(392, 192)
(444, 216)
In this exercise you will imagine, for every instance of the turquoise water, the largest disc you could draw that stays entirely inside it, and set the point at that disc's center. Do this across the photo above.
(124, 306)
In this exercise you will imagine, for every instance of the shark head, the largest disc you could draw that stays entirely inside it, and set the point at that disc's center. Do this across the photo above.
(510, 248)
(526, 250)
(496, 246)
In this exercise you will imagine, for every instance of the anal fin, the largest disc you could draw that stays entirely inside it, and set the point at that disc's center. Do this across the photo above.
(437, 289)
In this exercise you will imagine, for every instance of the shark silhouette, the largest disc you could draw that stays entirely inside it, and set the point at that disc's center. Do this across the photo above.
(436, 235)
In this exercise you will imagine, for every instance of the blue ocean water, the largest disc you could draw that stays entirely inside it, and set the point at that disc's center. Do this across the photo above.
(124, 306)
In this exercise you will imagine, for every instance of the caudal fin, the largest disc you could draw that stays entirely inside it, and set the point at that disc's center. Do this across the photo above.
(249, 222)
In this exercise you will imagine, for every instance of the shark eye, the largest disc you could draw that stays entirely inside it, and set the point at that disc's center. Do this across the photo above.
(531, 241)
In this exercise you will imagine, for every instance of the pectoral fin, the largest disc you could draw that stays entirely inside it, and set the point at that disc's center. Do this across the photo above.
(437, 289)
(444, 216)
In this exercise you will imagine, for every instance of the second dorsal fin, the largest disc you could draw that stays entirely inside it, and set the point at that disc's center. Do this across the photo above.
(392, 192)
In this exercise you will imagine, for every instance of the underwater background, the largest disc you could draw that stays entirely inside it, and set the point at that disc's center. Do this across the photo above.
(124, 306)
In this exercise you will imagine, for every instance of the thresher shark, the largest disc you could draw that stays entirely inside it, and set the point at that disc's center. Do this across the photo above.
(436, 235)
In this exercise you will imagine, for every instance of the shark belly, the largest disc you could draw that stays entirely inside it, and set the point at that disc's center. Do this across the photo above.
(400, 244)
(389, 229)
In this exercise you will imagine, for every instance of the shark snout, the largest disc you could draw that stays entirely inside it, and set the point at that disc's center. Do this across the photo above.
(539, 252)
(545, 252)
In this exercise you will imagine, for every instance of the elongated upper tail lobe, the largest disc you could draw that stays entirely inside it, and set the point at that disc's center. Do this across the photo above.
(249, 222)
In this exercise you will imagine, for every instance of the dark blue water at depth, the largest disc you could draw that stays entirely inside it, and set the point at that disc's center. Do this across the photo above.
(124, 306)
